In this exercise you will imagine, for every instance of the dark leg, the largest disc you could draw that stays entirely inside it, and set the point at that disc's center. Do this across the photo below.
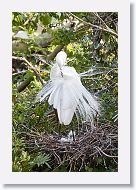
(73, 134)
(59, 125)
(59, 128)
(55, 111)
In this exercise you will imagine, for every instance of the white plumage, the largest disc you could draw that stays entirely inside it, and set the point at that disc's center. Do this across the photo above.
(66, 93)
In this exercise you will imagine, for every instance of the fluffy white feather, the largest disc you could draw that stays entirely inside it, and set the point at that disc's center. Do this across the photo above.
(66, 93)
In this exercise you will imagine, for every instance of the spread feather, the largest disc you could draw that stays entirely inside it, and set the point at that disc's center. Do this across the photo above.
(66, 93)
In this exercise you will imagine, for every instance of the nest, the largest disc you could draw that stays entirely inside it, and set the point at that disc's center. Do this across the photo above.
(95, 146)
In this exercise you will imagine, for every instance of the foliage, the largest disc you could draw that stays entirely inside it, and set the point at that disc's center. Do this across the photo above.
(23, 161)
(88, 48)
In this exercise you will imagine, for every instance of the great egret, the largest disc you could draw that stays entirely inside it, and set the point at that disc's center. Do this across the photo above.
(66, 93)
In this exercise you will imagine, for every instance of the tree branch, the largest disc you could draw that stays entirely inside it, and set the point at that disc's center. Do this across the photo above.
(31, 67)
(97, 15)
(18, 73)
(95, 26)
(55, 52)
(25, 83)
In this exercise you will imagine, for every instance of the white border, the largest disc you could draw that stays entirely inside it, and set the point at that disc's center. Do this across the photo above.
(123, 174)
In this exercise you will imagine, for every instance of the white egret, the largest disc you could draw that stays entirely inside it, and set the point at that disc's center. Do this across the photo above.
(66, 93)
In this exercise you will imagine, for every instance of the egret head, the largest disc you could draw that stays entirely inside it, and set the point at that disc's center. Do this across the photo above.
(61, 58)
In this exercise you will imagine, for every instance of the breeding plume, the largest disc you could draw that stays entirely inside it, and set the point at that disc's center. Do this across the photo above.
(65, 92)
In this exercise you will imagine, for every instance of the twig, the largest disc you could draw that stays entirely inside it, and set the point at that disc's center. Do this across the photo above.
(31, 67)
(40, 58)
(97, 15)
(95, 26)
(50, 57)
(110, 156)
(19, 73)
(90, 73)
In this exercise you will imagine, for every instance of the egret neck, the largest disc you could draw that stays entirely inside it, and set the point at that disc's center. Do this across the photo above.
(61, 60)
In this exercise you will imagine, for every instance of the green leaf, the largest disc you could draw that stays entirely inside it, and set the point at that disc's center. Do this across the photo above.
(41, 159)
(45, 19)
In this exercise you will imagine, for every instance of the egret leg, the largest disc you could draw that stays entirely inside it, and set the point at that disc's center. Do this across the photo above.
(96, 120)
(55, 111)
(73, 134)
(59, 129)
(59, 125)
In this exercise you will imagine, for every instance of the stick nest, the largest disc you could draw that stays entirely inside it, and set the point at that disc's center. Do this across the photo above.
(95, 146)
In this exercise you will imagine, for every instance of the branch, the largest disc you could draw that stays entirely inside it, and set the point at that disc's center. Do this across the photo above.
(24, 84)
(107, 155)
(51, 56)
(55, 52)
(31, 67)
(19, 73)
(95, 26)
(90, 73)
(97, 15)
